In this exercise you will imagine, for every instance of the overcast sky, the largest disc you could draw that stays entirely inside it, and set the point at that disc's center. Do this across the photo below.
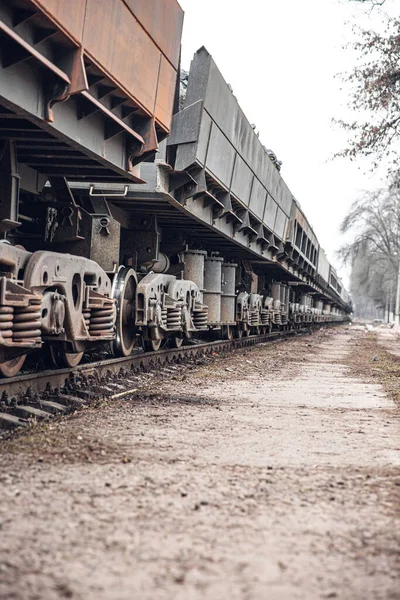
(281, 58)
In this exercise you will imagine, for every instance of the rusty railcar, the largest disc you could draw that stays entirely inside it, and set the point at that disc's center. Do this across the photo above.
(120, 224)
(87, 91)
(87, 88)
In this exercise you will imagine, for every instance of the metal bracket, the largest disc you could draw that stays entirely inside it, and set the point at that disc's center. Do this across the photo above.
(113, 195)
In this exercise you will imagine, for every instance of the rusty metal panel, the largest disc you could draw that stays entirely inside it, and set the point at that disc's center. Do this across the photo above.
(163, 20)
(117, 42)
(165, 93)
(135, 42)
(71, 21)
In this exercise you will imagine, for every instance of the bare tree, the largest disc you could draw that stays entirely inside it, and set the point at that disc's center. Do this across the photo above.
(373, 222)
(372, 282)
(373, 2)
(376, 92)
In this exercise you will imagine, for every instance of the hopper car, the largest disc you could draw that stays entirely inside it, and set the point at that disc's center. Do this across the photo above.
(131, 210)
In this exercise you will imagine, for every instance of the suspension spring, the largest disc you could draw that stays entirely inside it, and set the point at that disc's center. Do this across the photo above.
(164, 312)
(86, 316)
(200, 318)
(277, 318)
(27, 322)
(254, 318)
(6, 321)
(265, 317)
(101, 321)
(174, 320)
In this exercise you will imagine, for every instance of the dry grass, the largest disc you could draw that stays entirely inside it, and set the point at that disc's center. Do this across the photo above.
(373, 363)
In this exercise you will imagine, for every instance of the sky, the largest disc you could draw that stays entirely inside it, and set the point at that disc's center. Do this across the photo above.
(282, 58)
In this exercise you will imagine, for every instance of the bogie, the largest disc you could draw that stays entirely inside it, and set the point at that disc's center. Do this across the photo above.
(70, 305)
(207, 247)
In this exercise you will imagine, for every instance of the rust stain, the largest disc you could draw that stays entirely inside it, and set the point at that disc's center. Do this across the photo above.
(136, 43)
(163, 20)
(61, 12)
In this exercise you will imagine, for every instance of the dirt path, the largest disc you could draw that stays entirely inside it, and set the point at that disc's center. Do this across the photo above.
(271, 474)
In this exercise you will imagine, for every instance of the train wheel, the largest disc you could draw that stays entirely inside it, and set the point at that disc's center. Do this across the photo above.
(176, 342)
(62, 359)
(124, 291)
(152, 345)
(10, 368)
(227, 332)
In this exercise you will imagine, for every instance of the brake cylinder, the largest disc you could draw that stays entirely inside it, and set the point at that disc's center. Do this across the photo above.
(228, 299)
(194, 268)
(212, 284)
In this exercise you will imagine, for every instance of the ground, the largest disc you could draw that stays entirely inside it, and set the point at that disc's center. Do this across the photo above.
(271, 473)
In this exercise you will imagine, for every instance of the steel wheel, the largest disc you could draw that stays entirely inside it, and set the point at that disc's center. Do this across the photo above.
(10, 368)
(63, 359)
(151, 345)
(227, 332)
(124, 291)
(238, 332)
(176, 342)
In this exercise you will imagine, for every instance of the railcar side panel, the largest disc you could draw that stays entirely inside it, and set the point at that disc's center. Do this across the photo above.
(136, 42)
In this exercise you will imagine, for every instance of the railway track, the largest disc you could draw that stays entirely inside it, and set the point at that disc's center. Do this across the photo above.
(39, 396)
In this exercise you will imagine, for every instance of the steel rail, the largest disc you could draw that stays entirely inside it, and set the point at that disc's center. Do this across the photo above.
(58, 378)
(36, 396)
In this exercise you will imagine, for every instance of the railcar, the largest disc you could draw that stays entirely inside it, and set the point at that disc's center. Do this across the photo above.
(124, 218)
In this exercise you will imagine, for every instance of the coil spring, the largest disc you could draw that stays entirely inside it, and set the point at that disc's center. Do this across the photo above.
(200, 318)
(86, 316)
(27, 322)
(164, 312)
(254, 318)
(6, 321)
(284, 319)
(265, 318)
(173, 318)
(277, 318)
(101, 322)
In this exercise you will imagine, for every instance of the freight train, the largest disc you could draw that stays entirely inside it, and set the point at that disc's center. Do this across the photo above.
(133, 210)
